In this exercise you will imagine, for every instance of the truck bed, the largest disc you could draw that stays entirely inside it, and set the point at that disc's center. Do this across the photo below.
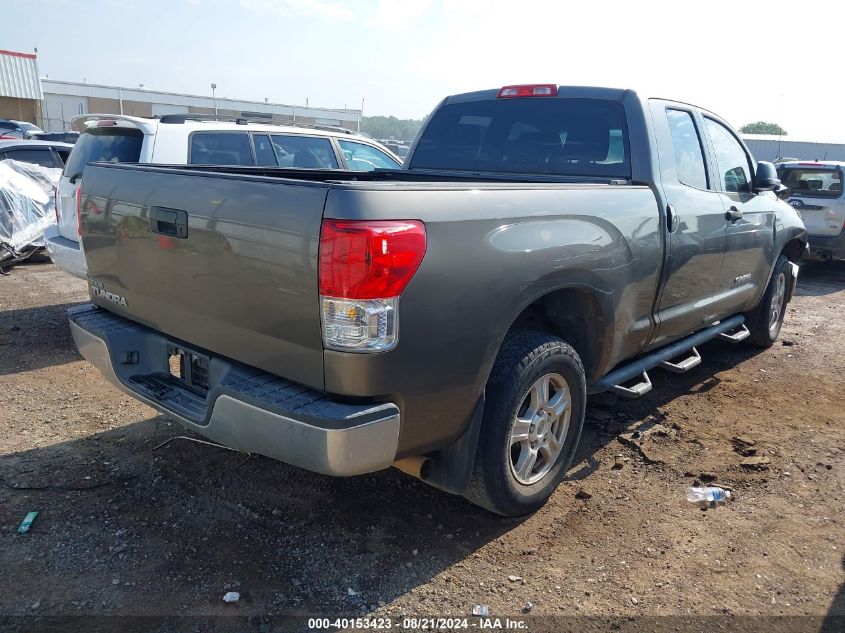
(243, 281)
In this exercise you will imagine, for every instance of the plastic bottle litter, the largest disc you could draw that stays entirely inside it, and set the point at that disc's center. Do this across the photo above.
(231, 596)
(27, 522)
(707, 495)
(481, 609)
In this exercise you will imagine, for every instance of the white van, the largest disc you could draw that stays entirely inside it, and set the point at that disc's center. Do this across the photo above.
(194, 140)
(816, 192)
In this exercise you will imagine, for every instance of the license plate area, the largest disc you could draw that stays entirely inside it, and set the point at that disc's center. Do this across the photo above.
(188, 367)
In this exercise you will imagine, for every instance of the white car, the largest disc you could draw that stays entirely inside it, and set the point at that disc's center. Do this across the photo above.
(815, 191)
(194, 140)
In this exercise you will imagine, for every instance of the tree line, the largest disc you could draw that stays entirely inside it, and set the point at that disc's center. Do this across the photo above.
(389, 127)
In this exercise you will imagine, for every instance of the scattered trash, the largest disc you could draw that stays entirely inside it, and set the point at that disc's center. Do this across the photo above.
(618, 462)
(758, 462)
(527, 607)
(513, 578)
(707, 495)
(583, 494)
(231, 596)
(351, 592)
(27, 522)
(481, 609)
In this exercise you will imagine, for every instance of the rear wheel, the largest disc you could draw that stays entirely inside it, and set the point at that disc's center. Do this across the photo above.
(533, 416)
(765, 321)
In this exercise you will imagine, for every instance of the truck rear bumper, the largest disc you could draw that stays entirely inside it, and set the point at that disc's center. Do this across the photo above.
(243, 408)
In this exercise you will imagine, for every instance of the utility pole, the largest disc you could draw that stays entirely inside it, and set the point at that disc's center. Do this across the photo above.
(214, 97)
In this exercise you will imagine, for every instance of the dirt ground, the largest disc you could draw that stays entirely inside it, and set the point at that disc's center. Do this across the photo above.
(131, 530)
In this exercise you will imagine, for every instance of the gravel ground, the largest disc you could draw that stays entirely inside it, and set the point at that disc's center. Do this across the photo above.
(129, 529)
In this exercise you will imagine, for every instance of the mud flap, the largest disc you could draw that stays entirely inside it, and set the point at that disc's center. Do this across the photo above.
(793, 281)
(450, 468)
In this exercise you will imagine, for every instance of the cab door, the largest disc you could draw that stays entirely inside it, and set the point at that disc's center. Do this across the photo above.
(695, 226)
(750, 217)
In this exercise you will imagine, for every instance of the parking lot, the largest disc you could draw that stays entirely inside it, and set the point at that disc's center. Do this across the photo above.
(128, 528)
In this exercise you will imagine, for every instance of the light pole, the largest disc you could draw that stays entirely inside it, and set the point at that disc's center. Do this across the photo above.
(214, 97)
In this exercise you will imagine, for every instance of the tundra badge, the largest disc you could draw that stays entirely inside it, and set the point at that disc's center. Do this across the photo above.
(99, 290)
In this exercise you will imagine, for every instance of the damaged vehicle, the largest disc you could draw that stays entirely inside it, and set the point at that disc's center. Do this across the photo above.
(27, 208)
(540, 244)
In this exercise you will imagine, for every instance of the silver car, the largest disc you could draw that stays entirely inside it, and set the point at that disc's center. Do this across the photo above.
(816, 193)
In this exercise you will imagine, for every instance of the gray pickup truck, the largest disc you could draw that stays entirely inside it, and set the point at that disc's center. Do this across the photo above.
(542, 243)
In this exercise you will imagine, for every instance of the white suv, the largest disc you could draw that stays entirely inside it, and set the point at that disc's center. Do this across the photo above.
(194, 140)
(815, 191)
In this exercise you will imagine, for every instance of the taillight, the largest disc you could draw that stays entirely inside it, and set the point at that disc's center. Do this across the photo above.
(528, 90)
(79, 211)
(364, 267)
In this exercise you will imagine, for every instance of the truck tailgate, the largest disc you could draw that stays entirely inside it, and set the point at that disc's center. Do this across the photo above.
(205, 260)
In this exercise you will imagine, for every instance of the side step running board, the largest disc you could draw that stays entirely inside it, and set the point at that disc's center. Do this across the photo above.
(694, 360)
(634, 391)
(738, 335)
(732, 329)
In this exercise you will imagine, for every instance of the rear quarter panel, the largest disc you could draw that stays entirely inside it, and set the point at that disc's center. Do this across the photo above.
(492, 251)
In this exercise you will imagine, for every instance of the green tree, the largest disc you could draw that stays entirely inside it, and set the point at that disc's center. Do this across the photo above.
(389, 127)
(762, 127)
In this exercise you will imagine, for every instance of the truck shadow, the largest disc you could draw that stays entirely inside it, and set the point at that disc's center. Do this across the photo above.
(609, 417)
(834, 620)
(34, 338)
(122, 524)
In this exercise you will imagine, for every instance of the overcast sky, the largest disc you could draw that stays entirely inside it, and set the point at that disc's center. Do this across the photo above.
(746, 61)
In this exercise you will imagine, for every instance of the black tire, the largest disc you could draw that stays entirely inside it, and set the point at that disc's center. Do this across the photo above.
(765, 331)
(526, 358)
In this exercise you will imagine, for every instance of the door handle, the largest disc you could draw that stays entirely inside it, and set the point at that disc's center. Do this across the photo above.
(671, 218)
(170, 222)
(733, 214)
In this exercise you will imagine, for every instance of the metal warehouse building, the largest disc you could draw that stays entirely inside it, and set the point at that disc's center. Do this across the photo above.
(770, 148)
(66, 99)
(51, 104)
(20, 88)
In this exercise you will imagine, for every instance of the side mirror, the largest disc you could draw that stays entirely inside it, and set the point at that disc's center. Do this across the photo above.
(766, 178)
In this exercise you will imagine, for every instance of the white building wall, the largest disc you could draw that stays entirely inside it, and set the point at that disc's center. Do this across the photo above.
(57, 111)
(160, 109)
(69, 88)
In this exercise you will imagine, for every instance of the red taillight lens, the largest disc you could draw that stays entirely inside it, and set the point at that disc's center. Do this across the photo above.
(528, 90)
(360, 259)
(79, 211)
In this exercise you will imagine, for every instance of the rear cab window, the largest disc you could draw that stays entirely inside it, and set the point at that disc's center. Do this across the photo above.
(107, 144)
(813, 182)
(689, 155)
(554, 136)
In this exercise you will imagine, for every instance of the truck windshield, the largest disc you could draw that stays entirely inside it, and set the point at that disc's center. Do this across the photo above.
(555, 136)
(816, 183)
